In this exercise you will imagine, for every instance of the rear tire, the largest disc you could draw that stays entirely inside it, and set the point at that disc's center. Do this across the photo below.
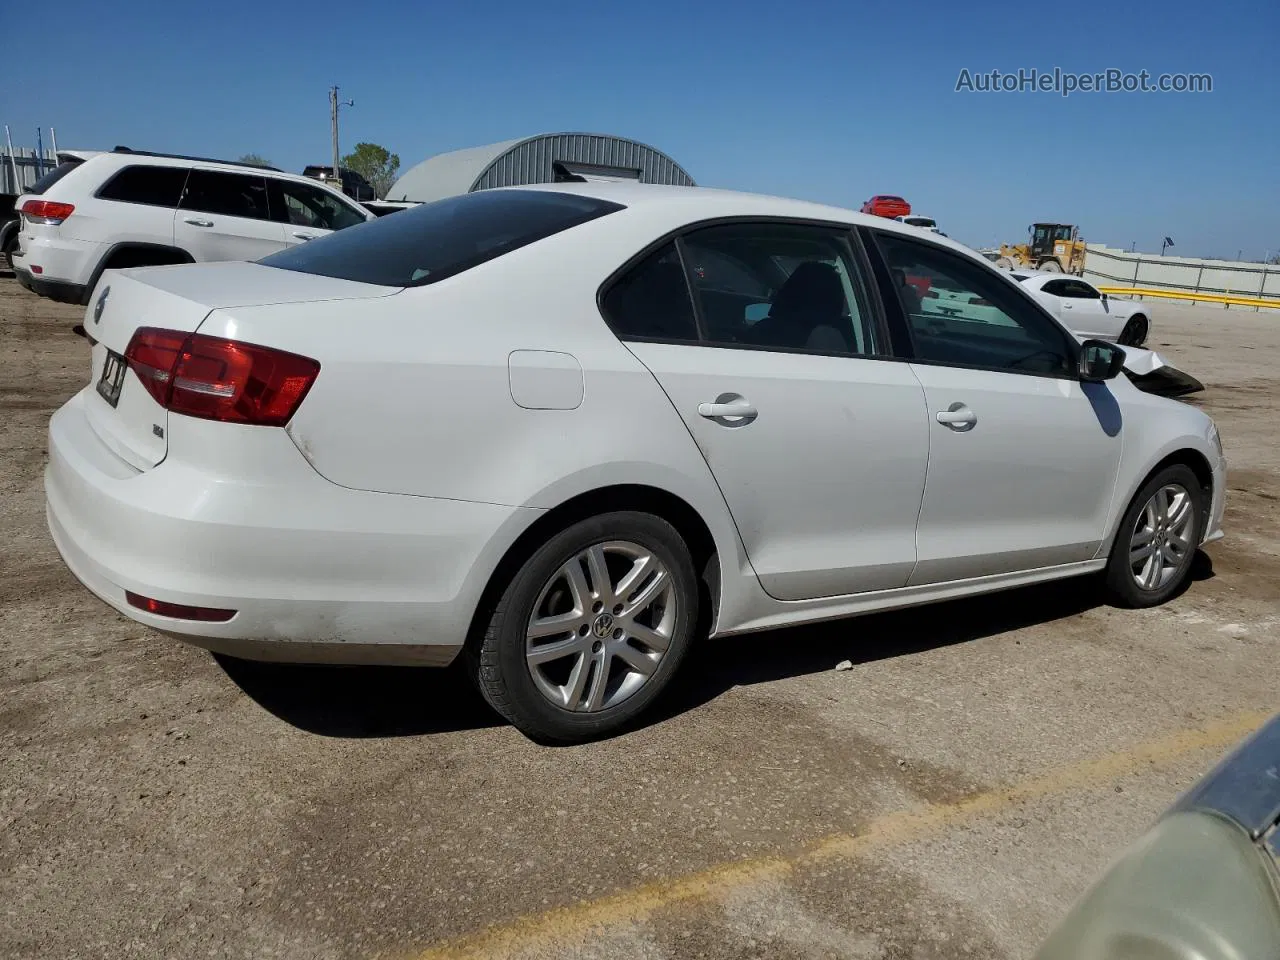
(10, 248)
(575, 650)
(1157, 539)
(1135, 331)
(1050, 266)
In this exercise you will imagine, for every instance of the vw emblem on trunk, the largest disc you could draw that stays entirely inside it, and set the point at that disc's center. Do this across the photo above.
(100, 306)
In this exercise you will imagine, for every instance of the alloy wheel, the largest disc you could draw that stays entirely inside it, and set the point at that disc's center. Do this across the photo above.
(600, 626)
(1162, 537)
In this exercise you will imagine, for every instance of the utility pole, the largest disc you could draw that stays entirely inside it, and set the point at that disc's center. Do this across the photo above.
(334, 104)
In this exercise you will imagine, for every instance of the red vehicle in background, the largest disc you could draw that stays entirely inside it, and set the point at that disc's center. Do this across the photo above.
(886, 205)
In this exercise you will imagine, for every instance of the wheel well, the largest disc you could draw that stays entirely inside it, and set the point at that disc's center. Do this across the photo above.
(637, 497)
(144, 256)
(1194, 461)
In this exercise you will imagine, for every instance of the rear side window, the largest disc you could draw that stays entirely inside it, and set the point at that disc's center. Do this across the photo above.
(53, 176)
(155, 186)
(441, 239)
(227, 194)
(651, 300)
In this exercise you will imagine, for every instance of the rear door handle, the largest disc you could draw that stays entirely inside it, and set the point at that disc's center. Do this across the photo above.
(306, 236)
(958, 417)
(198, 223)
(729, 409)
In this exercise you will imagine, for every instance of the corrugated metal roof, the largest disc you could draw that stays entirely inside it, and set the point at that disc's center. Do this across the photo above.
(530, 160)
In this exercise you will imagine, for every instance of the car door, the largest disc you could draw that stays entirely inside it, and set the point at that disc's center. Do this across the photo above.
(308, 211)
(226, 216)
(1084, 310)
(818, 442)
(1022, 456)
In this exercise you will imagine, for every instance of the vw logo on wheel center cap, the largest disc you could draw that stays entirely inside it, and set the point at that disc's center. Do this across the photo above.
(603, 625)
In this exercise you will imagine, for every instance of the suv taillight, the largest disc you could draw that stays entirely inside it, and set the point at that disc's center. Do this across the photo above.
(47, 211)
(218, 379)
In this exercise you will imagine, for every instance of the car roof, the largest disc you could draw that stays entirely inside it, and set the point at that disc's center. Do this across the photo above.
(707, 203)
(121, 158)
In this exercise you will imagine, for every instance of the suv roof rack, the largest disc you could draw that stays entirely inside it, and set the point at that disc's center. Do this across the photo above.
(179, 156)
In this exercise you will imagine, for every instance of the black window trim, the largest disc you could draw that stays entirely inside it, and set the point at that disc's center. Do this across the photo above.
(889, 295)
(186, 175)
(850, 241)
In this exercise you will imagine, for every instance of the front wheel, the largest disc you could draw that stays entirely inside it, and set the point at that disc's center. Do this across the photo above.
(1157, 539)
(1050, 266)
(1135, 331)
(591, 629)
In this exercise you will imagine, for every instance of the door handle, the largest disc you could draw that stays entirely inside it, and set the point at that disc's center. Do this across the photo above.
(729, 409)
(958, 417)
(198, 223)
(1067, 306)
(306, 236)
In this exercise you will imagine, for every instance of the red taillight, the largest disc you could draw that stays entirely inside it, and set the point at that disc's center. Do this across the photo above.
(47, 211)
(179, 611)
(218, 379)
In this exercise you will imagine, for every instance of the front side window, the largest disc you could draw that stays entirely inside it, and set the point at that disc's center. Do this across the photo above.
(1081, 290)
(971, 316)
(227, 194)
(437, 240)
(308, 206)
(151, 185)
(791, 287)
(651, 300)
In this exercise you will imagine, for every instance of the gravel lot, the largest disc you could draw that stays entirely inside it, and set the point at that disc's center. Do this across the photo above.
(949, 796)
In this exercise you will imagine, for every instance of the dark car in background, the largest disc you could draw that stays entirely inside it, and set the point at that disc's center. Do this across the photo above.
(1203, 883)
(354, 185)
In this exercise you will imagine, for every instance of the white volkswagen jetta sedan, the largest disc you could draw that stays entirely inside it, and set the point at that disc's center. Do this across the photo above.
(564, 431)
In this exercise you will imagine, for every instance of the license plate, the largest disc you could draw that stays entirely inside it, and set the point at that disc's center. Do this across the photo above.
(112, 379)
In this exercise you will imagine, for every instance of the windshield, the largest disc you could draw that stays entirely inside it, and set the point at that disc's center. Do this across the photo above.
(440, 239)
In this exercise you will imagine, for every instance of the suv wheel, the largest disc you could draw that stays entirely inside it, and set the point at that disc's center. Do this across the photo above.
(590, 631)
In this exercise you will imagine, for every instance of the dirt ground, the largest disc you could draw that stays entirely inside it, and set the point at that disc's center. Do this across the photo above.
(947, 797)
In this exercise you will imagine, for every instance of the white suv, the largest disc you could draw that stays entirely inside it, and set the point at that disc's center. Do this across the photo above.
(127, 208)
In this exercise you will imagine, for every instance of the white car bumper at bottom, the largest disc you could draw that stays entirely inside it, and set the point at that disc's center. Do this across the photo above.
(313, 571)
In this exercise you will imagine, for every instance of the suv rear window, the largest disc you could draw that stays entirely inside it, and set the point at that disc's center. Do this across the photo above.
(156, 186)
(441, 239)
(54, 175)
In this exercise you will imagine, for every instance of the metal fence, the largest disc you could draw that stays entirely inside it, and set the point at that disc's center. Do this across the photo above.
(1222, 280)
(22, 169)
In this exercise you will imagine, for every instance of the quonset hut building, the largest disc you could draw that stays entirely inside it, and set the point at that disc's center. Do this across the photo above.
(546, 158)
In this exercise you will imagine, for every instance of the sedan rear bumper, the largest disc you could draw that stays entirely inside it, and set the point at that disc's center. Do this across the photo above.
(314, 572)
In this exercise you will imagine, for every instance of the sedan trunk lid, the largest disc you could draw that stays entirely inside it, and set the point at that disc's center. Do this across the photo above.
(124, 415)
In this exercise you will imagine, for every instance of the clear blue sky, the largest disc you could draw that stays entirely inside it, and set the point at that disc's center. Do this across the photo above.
(832, 101)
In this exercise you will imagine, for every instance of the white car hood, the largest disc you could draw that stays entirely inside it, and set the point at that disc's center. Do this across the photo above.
(1141, 361)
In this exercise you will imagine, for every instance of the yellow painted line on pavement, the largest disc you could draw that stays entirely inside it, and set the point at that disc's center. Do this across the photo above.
(563, 926)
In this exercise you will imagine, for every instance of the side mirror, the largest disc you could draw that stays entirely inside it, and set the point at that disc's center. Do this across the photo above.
(1103, 295)
(1099, 361)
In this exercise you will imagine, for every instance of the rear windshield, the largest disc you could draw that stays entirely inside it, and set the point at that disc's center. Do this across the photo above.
(440, 239)
(54, 175)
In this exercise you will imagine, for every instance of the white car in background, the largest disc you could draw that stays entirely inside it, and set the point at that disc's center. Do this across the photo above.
(915, 220)
(129, 208)
(1086, 310)
(552, 430)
